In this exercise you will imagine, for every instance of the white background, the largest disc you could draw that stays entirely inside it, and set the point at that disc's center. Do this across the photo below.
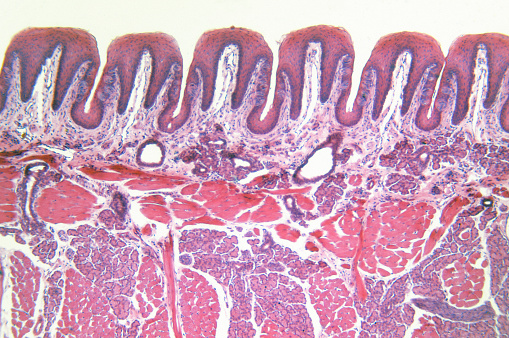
(366, 21)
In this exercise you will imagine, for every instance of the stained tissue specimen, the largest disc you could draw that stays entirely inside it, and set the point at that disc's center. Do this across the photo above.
(222, 215)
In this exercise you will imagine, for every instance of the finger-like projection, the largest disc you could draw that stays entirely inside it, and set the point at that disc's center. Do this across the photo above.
(323, 51)
(70, 52)
(162, 60)
(475, 79)
(234, 62)
(424, 58)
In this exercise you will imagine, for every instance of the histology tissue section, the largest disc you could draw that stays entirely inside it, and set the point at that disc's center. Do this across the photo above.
(213, 205)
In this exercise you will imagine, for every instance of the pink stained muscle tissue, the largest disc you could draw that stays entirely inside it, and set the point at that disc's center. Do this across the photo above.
(150, 206)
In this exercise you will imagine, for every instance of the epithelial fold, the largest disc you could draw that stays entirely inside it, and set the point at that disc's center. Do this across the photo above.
(245, 49)
(333, 44)
(34, 46)
(461, 61)
(422, 50)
